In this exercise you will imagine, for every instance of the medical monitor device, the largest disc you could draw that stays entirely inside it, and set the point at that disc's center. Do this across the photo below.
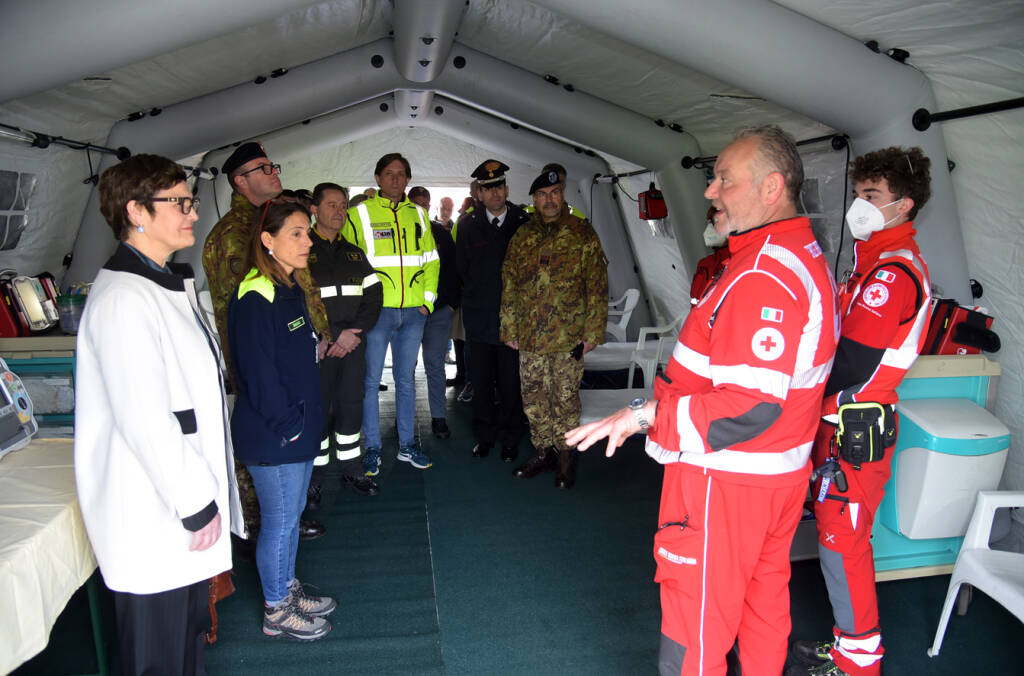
(17, 424)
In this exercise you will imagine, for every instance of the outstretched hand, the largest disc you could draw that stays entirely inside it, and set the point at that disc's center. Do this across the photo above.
(617, 427)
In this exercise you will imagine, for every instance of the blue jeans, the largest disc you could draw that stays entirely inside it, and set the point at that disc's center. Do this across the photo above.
(281, 490)
(435, 347)
(403, 329)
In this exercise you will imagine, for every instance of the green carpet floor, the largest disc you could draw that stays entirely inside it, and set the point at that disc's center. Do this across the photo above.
(463, 569)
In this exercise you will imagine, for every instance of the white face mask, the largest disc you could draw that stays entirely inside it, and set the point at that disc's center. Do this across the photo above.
(712, 239)
(865, 218)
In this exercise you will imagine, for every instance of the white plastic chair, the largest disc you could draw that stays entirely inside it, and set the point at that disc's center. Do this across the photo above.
(650, 356)
(618, 318)
(998, 574)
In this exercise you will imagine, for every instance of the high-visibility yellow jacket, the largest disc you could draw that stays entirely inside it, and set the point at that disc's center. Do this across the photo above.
(400, 246)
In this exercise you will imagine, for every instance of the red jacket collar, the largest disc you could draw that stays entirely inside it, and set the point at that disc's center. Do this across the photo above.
(756, 236)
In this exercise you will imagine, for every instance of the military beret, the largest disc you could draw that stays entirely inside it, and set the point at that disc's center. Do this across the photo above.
(545, 180)
(490, 173)
(243, 153)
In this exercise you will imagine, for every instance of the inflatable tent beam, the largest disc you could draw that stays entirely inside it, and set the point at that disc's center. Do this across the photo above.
(118, 33)
(456, 120)
(424, 32)
(249, 110)
(809, 68)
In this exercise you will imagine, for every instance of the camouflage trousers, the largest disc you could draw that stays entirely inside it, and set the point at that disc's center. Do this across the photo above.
(551, 396)
(247, 495)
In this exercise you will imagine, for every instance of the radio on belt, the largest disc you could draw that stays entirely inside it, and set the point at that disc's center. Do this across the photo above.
(17, 424)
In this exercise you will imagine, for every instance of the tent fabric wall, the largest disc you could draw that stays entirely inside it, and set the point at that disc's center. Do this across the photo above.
(969, 52)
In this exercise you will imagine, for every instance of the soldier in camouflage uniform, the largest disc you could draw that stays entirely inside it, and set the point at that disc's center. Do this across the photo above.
(554, 308)
(254, 181)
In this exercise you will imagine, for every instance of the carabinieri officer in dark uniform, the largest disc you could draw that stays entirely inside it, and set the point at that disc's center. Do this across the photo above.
(483, 237)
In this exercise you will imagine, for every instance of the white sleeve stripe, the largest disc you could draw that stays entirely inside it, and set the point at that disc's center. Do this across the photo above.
(690, 440)
(370, 279)
(771, 382)
(328, 291)
(696, 362)
(351, 290)
(812, 377)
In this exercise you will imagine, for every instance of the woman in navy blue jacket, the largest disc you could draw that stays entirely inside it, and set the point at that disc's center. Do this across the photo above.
(278, 418)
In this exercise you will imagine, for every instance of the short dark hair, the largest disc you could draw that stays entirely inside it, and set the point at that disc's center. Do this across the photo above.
(388, 159)
(321, 188)
(418, 190)
(273, 215)
(137, 178)
(776, 151)
(906, 170)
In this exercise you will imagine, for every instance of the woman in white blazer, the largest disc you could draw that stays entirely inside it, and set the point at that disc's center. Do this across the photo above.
(152, 448)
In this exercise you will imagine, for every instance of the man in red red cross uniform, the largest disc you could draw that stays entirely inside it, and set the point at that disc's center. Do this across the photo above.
(884, 306)
(733, 420)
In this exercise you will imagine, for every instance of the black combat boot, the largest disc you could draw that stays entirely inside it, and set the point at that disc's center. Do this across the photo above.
(544, 460)
(566, 476)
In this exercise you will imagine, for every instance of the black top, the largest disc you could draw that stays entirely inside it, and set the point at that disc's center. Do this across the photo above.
(479, 252)
(448, 278)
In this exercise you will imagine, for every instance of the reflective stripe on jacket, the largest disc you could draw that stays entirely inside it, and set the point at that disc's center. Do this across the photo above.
(400, 246)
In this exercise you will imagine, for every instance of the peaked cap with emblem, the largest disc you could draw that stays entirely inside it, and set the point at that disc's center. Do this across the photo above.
(243, 153)
(490, 174)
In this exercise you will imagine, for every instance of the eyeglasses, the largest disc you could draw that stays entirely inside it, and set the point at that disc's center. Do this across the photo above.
(186, 204)
(268, 169)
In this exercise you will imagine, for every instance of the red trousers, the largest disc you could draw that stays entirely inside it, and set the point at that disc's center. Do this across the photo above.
(844, 522)
(724, 575)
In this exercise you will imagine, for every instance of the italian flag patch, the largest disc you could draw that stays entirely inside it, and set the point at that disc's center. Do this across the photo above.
(770, 314)
(885, 276)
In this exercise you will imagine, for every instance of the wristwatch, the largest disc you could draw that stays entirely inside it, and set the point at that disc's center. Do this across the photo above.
(637, 406)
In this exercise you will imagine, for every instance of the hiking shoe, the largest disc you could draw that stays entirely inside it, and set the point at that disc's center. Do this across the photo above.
(314, 606)
(414, 456)
(371, 462)
(812, 653)
(466, 395)
(286, 620)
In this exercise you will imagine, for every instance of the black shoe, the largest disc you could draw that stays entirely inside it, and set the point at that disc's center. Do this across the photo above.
(311, 530)
(481, 450)
(314, 494)
(382, 388)
(566, 477)
(811, 653)
(360, 485)
(544, 460)
(508, 454)
(439, 426)
(454, 382)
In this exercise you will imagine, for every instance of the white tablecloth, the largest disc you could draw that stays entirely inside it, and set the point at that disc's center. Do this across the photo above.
(44, 550)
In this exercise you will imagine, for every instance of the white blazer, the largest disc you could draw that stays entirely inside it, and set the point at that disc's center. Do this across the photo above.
(152, 442)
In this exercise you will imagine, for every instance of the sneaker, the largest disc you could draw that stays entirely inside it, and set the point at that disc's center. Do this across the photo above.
(812, 653)
(288, 621)
(466, 395)
(371, 462)
(414, 456)
(314, 606)
(828, 668)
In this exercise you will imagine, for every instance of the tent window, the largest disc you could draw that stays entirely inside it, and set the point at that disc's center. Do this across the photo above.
(16, 191)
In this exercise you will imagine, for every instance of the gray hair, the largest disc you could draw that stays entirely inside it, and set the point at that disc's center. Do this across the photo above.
(777, 151)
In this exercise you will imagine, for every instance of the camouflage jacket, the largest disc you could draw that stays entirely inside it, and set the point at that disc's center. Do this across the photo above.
(554, 286)
(224, 260)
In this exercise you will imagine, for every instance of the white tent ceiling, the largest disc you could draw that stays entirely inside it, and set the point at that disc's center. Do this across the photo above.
(969, 50)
